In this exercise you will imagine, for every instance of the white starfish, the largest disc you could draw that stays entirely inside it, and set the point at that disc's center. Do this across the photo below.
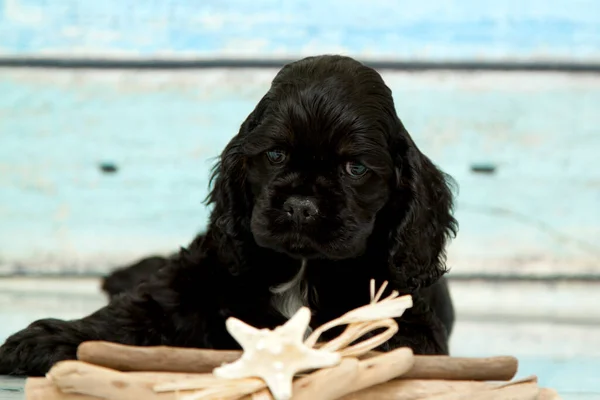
(275, 356)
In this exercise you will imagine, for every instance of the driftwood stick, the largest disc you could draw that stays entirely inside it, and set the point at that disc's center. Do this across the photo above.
(413, 389)
(329, 383)
(167, 377)
(83, 378)
(154, 378)
(87, 379)
(326, 384)
(261, 395)
(44, 389)
(501, 368)
(156, 358)
(174, 359)
(527, 379)
(523, 391)
(380, 369)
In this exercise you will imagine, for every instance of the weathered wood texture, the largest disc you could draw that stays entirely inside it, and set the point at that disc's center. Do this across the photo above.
(438, 30)
(538, 213)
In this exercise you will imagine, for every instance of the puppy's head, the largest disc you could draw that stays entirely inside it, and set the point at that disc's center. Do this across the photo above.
(323, 168)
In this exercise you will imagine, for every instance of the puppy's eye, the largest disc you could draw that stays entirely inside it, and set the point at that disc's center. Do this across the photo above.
(276, 156)
(356, 169)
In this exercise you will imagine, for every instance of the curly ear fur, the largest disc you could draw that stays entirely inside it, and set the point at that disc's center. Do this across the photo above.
(230, 218)
(228, 194)
(422, 206)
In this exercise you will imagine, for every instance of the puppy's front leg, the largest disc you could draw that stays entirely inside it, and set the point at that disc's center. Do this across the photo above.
(33, 350)
(145, 317)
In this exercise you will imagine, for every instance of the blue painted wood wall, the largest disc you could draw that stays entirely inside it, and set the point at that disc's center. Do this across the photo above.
(430, 30)
(539, 213)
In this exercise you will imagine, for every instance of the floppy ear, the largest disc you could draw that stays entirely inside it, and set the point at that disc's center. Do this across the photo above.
(232, 200)
(228, 194)
(421, 206)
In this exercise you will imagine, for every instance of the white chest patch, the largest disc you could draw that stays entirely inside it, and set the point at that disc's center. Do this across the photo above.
(290, 296)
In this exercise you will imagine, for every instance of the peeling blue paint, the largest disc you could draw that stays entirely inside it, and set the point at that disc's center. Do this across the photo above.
(432, 30)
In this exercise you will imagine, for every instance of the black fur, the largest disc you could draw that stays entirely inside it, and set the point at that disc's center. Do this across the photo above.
(391, 223)
(126, 278)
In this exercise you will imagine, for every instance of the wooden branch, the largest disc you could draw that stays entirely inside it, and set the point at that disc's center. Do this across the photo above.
(329, 383)
(326, 384)
(381, 369)
(156, 358)
(87, 379)
(413, 389)
(83, 378)
(173, 359)
(527, 379)
(44, 389)
(501, 368)
(523, 391)
(261, 395)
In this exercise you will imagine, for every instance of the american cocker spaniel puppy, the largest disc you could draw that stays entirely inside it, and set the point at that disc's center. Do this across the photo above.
(321, 190)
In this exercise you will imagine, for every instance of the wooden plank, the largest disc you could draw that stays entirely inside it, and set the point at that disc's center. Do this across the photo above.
(440, 30)
(537, 214)
(11, 388)
(564, 303)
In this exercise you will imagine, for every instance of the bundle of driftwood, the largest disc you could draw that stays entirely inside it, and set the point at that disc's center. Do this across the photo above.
(280, 364)
(116, 372)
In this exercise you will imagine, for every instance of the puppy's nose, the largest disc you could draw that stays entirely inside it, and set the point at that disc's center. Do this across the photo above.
(302, 209)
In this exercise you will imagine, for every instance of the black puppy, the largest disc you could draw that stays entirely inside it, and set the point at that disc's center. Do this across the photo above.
(321, 190)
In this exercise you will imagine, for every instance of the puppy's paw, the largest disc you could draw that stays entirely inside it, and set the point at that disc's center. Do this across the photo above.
(34, 350)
